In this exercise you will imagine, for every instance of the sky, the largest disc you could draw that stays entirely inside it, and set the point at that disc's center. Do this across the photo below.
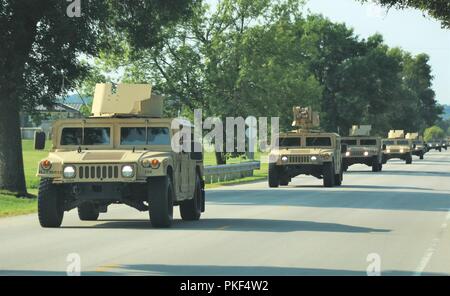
(408, 29)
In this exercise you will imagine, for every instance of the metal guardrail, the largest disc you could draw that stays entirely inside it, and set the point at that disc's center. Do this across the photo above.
(227, 172)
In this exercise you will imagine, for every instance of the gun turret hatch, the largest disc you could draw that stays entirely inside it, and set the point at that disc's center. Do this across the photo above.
(396, 134)
(413, 136)
(360, 131)
(305, 118)
(128, 100)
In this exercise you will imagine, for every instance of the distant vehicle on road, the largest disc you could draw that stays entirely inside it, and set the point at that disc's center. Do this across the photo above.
(307, 151)
(420, 148)
(396, 146)
(363, 149)
(436, 145)
(121, 154)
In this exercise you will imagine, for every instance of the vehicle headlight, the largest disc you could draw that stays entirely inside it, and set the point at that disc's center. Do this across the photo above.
(284, 159)
(402, 150)
(313, 158)
(69, 172)
(366, 153)
(388, 151)
(347, 153)
(146, 163)
(127, 171)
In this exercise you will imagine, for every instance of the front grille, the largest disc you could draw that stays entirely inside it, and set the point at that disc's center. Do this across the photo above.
(395, 150)
(356, 153)
(98, 172)
(299, 159)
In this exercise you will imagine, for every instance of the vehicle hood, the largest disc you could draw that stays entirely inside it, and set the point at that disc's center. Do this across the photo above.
(104, 156)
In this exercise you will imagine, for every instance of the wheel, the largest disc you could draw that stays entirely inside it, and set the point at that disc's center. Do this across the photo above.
(50, 204)
(274, 178)
(338, 179)
(380, 167)
(88, 211)
(328, 174)
(160, 197)
(284, 181)
(376, 166)
(345, 167)
(409, 159)
(440, 149)
(191, 210)
(421, 155)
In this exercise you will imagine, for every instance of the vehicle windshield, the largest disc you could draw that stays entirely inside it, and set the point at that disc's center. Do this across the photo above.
(389, 142)
(92, 136)
(368, 142)
(318, 142)
(136, 136)
(350, 142)
(289, 142)
(402, 142)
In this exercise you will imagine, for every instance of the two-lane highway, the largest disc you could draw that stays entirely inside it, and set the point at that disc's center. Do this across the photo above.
(398, 219)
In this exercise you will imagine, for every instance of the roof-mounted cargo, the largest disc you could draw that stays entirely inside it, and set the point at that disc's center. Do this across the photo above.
(305, 118)
(413, 136)
(360, 131)
(396, 134)
(128, 100)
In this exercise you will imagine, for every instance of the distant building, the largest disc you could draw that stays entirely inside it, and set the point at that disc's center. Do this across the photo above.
(43, 118)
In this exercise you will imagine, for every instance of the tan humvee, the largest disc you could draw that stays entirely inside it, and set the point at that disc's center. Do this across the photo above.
(362, 148)
(121, 154)
(396, 146)
(306, 151)
(419, 146)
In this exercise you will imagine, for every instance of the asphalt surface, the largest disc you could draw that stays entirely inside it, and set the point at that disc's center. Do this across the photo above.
(398, 220)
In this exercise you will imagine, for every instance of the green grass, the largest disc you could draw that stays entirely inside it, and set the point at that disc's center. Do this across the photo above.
(31, 160)
(11, 205)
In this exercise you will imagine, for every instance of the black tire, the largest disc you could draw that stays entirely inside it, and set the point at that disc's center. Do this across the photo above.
(440, 149)
(88, 211)
(338, 179)
(345, 167)
(409, 159)
(160, 198)
(375, 165)
(421, 155)
(380, 167)
(50, 205)
(274, 176)
(328, 174)
(191, 210)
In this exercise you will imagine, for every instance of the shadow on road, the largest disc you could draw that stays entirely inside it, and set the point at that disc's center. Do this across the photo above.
(216, 270)
(336, 198)
(231, 224)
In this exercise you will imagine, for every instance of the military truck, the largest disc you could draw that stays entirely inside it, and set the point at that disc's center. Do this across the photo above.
(435, 145)
(121, 154)
(420, 148)
(396, 146)
(306, 151)
(363, 149)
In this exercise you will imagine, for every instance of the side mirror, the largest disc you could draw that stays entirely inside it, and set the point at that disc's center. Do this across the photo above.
(39, 140)
(414, 146)
(384, 147)
(344, 148)
(196, 151)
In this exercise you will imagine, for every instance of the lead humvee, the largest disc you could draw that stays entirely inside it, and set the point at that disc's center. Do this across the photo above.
(362, 148)
(122, 154)
(396, 146)
(420, 148)
(306, 151)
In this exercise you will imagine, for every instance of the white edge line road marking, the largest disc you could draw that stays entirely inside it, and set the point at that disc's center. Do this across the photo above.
(430, 251)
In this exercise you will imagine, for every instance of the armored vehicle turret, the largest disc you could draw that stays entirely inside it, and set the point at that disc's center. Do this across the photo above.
(396, 146)
(122, 154)
(363, 148)
(306, 150)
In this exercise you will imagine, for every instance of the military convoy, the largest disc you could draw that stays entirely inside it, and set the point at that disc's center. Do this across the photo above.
(363, 149)
(122, 154)
(307, 151)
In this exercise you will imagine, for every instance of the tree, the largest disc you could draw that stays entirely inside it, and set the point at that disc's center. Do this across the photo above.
(439, 9)
(40, 42)
(434, 133)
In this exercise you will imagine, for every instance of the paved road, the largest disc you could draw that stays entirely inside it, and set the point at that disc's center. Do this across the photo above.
(400, 216)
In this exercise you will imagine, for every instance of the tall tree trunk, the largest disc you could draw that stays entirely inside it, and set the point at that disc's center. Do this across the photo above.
(12, 176)
(220, 158)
